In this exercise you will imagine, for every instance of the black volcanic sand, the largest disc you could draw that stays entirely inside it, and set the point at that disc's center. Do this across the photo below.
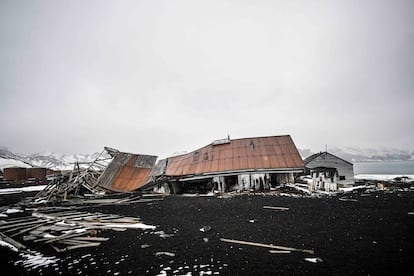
(373, 235)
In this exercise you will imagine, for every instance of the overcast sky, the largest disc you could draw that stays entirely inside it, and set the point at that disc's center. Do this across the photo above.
(159, 77)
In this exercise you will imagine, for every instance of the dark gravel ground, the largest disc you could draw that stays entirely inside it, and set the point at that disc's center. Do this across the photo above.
(373, 235)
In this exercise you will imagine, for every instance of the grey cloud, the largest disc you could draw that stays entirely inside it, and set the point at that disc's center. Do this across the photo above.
(165, 76)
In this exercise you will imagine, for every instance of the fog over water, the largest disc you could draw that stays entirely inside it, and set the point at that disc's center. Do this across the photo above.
(385, 167)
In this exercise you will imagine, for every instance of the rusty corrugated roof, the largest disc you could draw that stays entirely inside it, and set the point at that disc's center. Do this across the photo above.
(267, 153)
(127, 172)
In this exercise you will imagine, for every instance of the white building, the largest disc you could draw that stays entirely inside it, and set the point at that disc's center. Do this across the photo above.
(329, 171)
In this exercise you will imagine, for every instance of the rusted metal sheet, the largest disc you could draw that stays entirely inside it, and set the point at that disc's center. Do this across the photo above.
(14, 174)
(111, 171)
(274, 152)
(127, 172)
(38, 173)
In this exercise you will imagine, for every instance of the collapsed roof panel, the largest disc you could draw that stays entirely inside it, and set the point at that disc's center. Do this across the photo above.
(159, 168)
(274, 152)
(127, 172)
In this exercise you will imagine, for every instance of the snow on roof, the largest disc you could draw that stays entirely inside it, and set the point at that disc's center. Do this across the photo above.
(9, 163)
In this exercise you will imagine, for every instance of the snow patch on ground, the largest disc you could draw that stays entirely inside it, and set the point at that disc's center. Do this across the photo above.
(13, 211)
(134, 225)
(313, 260)
(6, 244)
(32, 260)
(299, 188)
(350, 189)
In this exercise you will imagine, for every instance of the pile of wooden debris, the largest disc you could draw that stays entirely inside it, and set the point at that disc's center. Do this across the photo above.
(64, 230)
(111, 172)
(80, 181)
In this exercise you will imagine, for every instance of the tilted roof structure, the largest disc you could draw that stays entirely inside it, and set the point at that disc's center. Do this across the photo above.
(272, 153)
(127, 172)
(322, 155)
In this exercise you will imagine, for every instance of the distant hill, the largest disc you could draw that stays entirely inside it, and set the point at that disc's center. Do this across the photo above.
(60, 161)
(362, 154)
(56, 161)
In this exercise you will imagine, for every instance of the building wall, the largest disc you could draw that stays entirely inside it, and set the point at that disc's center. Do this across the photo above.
(330, 161)
(38, 173)
(14, 174)
(321, 182)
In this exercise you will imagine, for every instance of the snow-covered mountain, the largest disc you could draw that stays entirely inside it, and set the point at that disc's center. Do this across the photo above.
(354, 154)
(56, 161)
(60, 161)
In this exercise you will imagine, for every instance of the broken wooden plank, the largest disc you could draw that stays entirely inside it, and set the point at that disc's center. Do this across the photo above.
(73, 242)
(113, 220)
(280, 251)
(90, 238)
(59, 216)
(141, 200)
(103, 201)
(152, 195)
(348, 199)
(17, 220)
(54, 216)
(11, 241)
(278, 247)
(21, 227)
(100, 217)
(83, 245)
(28, 229)
(20, 224)
(61, 237)
(57, 249)
(276, 208)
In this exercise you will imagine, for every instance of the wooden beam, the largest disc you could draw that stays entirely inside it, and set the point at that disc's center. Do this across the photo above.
(11, 225)
(11, 241)
(276, 208)
(28, 229)
(278, 247)
(90, 244)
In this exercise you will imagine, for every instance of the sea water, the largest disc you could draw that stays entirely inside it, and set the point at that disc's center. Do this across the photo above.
(385, 167)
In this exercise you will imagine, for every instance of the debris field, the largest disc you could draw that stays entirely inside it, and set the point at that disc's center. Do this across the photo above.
(354, 233)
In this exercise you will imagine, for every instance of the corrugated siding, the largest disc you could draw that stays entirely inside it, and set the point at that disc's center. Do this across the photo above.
(276, 152)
